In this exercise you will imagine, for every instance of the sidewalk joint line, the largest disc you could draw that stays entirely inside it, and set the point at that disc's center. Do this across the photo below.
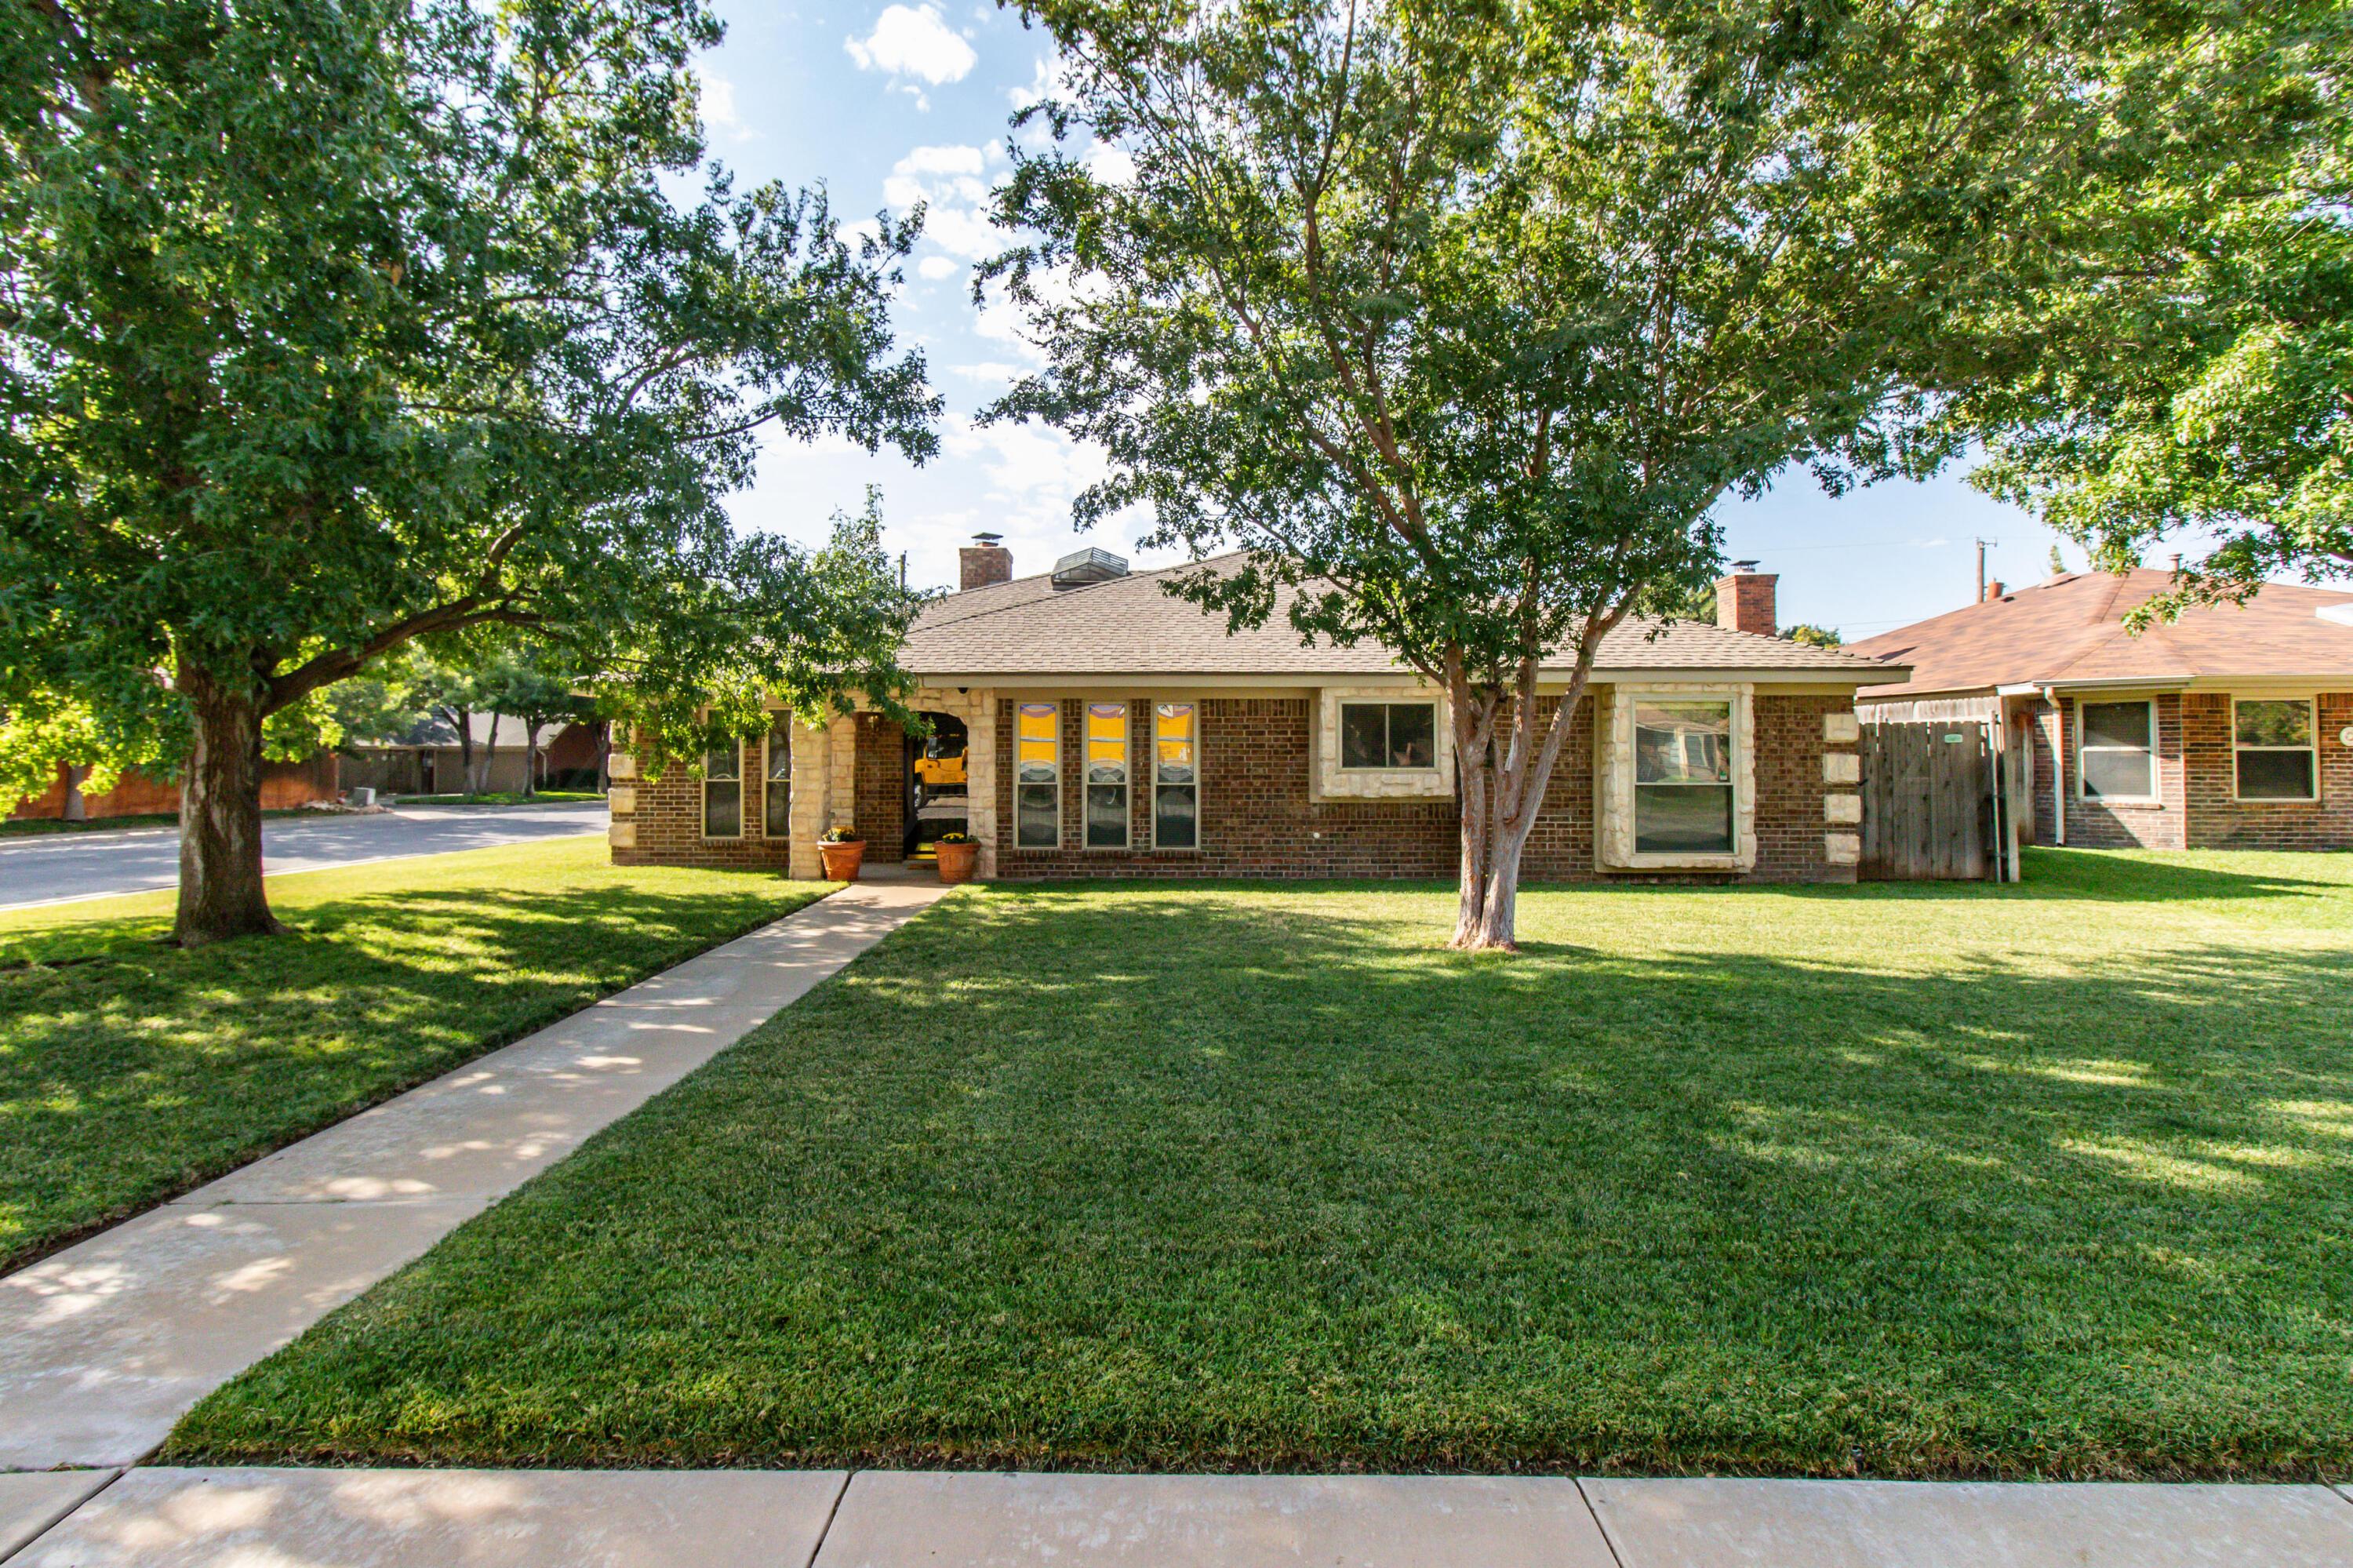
(100, 1490)
(818, 1546)
(1595, 1514)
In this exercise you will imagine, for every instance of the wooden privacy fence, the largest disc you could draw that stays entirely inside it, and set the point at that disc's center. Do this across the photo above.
(1932, 807)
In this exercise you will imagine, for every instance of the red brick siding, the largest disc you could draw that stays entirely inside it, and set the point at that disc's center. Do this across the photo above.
(1258, 819)
(2100, 824)
(668, 822)
(2216, 820)
(879, 807)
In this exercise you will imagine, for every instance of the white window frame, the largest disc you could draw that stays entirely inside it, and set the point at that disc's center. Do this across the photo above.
(1014, 801)
(1615, 831)
(768, 829)
(1734, 740)
(1127, 786)
(2156, 796)
(2311, 749)
(1152, 742)
(1385, 703)
(737, 782)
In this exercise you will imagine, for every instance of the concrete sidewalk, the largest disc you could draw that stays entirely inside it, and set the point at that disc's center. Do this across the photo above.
(751, 1519)
(105, 1345)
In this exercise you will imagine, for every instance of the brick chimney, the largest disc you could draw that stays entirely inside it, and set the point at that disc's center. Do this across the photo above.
(1994, 590)
(1744, 602)
(982, 561)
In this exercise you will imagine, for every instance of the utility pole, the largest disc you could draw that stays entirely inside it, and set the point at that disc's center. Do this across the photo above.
(1981, 577)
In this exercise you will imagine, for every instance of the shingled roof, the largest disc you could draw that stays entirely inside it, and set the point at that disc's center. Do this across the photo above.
(2070, 630)
(1132, 626)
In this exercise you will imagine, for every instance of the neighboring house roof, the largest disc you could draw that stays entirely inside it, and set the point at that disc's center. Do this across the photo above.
(437, 731)
(2069, 630)
(1132, 626)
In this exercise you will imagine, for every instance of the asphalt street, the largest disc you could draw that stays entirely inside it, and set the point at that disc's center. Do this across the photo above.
(52, 868)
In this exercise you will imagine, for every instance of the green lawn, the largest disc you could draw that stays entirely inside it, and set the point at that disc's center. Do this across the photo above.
(130, 1071)
(1910, 1181)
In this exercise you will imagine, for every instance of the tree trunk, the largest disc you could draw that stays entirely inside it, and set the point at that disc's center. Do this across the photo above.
(604, 757)
(465, 717)
(77, 807)
(1503, 769)
(220, 816)
(530, 760)
(480, 783)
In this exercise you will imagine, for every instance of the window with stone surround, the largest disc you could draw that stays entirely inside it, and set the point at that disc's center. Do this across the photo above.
(723, 792)
(1176, 775)
(1106, 775)
(1037, 776)
(777, 793)
(1387, 736)
(2275, 755)
(2115, 750)
(1683, 777)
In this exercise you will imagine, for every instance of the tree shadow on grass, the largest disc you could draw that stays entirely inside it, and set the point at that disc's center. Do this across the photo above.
(142, 1070)
(1151, 1178)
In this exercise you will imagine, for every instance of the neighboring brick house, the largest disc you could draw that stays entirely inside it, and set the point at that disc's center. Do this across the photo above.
(1089, 724)
(2228, 729)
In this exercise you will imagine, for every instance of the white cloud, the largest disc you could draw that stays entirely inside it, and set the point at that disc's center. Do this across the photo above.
(936, 174)
(935, 268)
(720, 114)
(989, 370)
(1033, 473)
(914, 41)
(1110, 164)
(964, 232)
(1050, 79)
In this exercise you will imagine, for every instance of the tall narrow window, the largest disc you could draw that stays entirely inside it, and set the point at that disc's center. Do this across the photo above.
(2276, 760)
(776, 819)
(2116, 750)
(1038, 776)
(1682, 778)
(1176, 775)
(1106, 775)
(722, 793)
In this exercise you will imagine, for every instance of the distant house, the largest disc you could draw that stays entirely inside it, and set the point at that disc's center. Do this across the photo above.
(2228, 729)
(428, 760)
(1086, 722)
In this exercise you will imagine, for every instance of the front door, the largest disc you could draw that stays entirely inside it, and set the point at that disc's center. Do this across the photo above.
(936, 769)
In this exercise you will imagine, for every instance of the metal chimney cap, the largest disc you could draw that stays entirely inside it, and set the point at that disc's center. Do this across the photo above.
(1744, 566)
(986, 537)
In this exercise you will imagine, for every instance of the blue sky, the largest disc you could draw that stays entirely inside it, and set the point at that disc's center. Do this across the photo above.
(889, 104)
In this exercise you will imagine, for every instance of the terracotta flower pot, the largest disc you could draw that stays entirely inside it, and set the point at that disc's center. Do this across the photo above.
(956, 860)
(841, 860)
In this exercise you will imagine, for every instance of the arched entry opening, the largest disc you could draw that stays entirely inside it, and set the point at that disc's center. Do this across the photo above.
(937, 774)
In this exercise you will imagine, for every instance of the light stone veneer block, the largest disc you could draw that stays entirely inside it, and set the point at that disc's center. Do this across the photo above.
(1730, 1523)
(622, 836)
(451, 1518)
(622, 764)
(621, 799)
(1841, 729)
(1842, 809)
(1842, 848)
(897, 1519)
(1841, 767)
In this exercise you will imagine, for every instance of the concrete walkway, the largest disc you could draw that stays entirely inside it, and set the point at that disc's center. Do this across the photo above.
(105, 1345)
(754, 1518)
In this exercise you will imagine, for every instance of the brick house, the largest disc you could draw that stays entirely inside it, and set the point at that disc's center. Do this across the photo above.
(1089, 724)
(2228, 729)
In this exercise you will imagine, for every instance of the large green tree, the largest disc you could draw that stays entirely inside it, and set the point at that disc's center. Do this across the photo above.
(2191, 378)
(326, 325)
(1460, 318)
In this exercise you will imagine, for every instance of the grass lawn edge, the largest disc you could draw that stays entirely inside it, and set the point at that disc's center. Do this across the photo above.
(202, 1174)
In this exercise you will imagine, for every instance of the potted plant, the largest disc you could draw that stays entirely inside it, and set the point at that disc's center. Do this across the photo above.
(957, 852)
(841, 848)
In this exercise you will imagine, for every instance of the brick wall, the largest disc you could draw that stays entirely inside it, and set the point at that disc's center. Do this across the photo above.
(1257, 818)
(2216, 820)
(664, 819)
(2102, 824)
(879, 806)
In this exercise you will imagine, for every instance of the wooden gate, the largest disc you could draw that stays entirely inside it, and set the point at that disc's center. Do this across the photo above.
(1928, 808)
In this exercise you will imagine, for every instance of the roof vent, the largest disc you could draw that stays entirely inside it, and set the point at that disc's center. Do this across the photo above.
(1088, 566)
